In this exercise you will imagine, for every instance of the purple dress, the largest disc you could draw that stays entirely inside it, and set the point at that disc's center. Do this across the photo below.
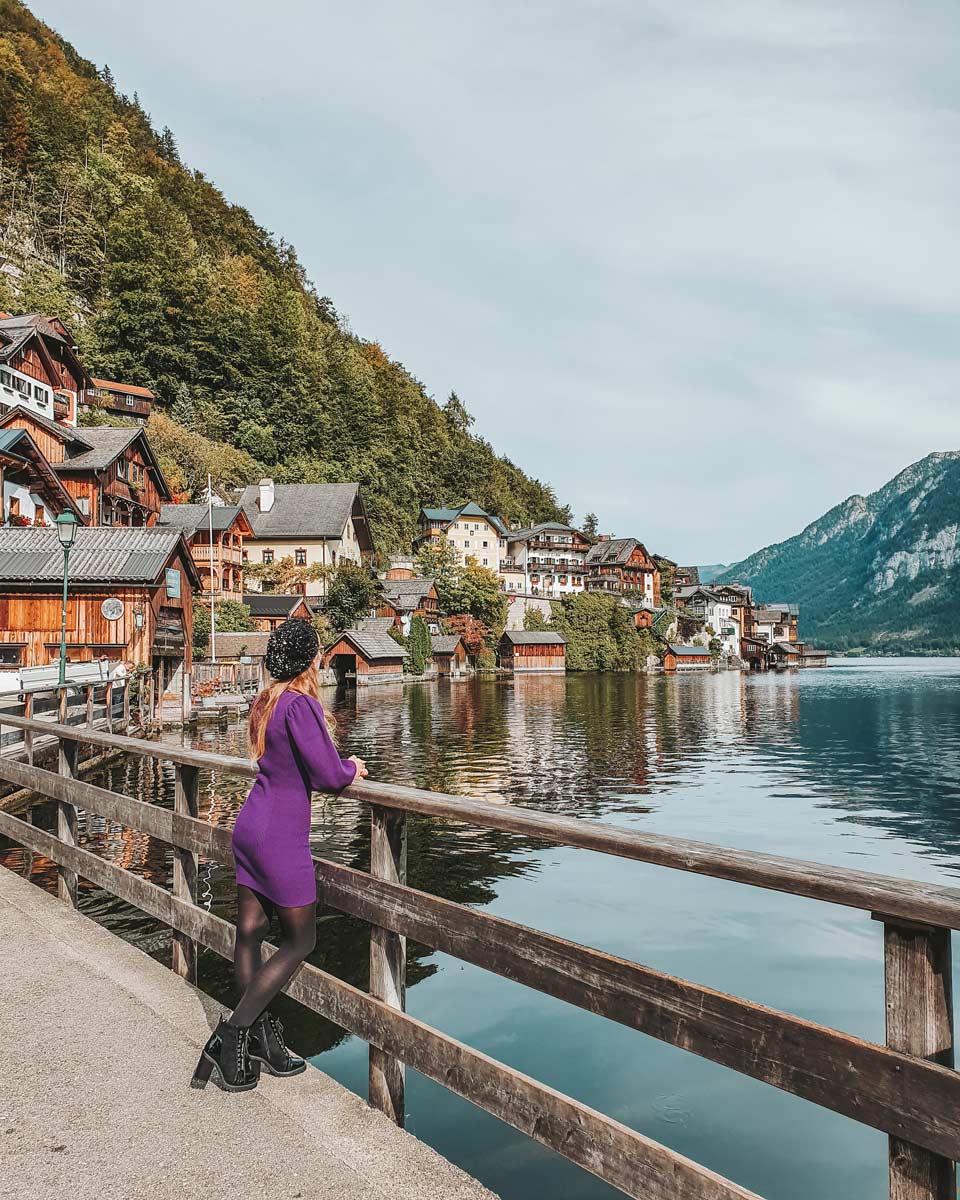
(271, 837)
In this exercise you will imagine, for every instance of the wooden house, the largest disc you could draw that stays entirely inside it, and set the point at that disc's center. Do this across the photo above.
(111, 472)
(32, 493)
(404, 599)
(532, 650)
(775, 622)
(148, 577)
(242, 645)
(449, 655)
(360, 658)
(314, 524)
(219, 565)
(784, 654)
(686, 658)
(39, 368)
(270, 609)
(121, 399)
(622, 566)
(810, 657)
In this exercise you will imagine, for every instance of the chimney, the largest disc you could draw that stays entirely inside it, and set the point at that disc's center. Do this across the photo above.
(267, 495)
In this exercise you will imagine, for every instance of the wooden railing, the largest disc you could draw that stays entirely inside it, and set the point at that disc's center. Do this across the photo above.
(907, 1089)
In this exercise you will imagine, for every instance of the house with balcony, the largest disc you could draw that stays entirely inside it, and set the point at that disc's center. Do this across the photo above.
(111, 472)
(313, 524)
(32, 493)
(39, 368)
(215, 536)
(548, 559)
(623, 567)
(127, 400)
(717, 611)
(469, 529)
(775, 623)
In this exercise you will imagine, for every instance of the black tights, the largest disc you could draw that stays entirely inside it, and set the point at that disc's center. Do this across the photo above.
(259, 982)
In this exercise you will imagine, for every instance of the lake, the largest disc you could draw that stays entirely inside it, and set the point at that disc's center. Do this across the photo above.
(857, 766)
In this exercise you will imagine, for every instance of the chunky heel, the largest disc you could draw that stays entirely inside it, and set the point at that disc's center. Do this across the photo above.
(201, 1076)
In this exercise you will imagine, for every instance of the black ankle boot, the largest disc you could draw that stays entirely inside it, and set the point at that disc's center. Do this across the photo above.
(267, 1047)
(226, 1052)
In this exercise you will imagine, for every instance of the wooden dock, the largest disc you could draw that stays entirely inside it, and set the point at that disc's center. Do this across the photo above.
(908, 1088)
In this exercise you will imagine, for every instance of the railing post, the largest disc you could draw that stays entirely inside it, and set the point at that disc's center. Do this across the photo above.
(186, 801)
(67, 815)
(388, 957)
(28, 733)
(108, 701)
(89, 691)
(919, 1010)
(126, 705)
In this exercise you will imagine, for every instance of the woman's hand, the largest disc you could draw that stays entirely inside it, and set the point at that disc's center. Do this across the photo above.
(362, 771)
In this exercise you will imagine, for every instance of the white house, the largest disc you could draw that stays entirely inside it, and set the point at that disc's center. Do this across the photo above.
(548, 559)
(470, 530)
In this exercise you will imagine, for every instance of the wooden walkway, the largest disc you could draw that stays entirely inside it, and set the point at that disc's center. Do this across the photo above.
(99, 1042)
(907, 1088)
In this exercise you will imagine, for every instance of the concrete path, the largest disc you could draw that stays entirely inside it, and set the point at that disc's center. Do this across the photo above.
(97, 1046)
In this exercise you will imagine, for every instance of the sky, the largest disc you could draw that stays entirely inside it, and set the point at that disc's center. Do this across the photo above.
(696, 264)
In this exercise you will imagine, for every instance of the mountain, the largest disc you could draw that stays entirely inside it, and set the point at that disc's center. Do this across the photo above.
(166, 284)
(878, 574)
(710, 571)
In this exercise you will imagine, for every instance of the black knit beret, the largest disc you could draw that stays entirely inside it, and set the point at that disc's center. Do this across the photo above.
(291, 648)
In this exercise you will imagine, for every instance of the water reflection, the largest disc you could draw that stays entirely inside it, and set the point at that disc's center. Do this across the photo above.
(857, 765)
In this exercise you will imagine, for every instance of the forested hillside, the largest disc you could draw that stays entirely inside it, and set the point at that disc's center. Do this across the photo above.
(878, 574)
(166, 284)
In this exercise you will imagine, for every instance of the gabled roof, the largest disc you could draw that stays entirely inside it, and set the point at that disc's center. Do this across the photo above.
(406, 594)
(66, 433)
(235, 644)
(615, 550)
(448, 515)
(688, 591)
(308, 511)
(773, 614)
(375, 625)
(17, 331)
(534, 637)
(100, 554)
(106, 444)
(272, 604)
(544, 527)
(374, 645)
(191, 517)
(128, 389)
(17, 445)
(445, 643)
(689, 651)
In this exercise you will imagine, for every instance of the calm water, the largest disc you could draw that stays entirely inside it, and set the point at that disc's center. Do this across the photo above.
(856, 766)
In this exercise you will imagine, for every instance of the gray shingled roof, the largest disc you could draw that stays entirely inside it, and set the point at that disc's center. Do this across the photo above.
(534, 637)
(271, 604)
(66, 433)
(307, 510)
(101, 553)
(106, 443)
(232, 645)
(616, 550)
(685, 651)
(375, 624)
(445, 643)
(375, 645)
(532, 531)
(406, 594)
(15, 331)
(191, 517)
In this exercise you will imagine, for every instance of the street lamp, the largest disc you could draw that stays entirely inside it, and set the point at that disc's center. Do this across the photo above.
(66, 525)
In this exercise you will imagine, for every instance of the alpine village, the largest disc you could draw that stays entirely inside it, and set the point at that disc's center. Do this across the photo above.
(185, 589)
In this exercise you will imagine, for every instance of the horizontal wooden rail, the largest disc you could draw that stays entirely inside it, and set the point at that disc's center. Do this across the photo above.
(904, 1096)
(637, 1165)
(911, 900)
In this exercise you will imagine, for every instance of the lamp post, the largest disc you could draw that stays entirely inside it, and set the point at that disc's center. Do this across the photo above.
(66, 531)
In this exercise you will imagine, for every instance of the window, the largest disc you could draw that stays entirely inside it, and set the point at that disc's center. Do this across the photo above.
(485, 545)
(130, 401)
(40, 516)
(267, 557)
(14, 507)
(83, 503)
(300, 557)
(466, 543)
(486, 562)
(122, 469)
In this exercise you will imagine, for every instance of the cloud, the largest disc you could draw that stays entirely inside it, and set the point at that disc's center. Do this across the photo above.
(694, 263)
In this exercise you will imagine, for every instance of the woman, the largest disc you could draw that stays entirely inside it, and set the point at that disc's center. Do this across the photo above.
(290, 737)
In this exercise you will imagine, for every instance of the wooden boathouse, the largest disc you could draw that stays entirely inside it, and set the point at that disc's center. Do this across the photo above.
(906, 1089)
(361, 657)
(449, 654)
(532, 650)
(687, 658)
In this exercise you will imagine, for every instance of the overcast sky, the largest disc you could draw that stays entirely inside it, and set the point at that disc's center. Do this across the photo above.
(695, 262)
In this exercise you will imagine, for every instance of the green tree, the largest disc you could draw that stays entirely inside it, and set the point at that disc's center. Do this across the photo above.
(590, 525)
(231, 617)
(482, 596)
(535, 621)
(418, 646)
(351, 593)
(438, 560)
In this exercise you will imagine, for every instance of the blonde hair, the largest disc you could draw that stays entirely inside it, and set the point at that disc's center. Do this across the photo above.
(307, 683)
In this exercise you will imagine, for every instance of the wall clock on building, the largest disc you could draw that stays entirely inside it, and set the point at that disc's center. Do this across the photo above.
(111, 609)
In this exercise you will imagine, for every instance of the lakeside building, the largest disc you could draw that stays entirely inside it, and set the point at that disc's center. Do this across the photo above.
(776, 622)
(149, 571)
(548, 559)
(362, 657)
(624, 567)
(523, 650)
(220, 567)
(449, 655)
(111, 472)
(721, 609)
(469, 529)
(314, 524)
(686, 658)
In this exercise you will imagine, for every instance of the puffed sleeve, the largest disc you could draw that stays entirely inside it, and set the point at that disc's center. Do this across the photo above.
(319, 759)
